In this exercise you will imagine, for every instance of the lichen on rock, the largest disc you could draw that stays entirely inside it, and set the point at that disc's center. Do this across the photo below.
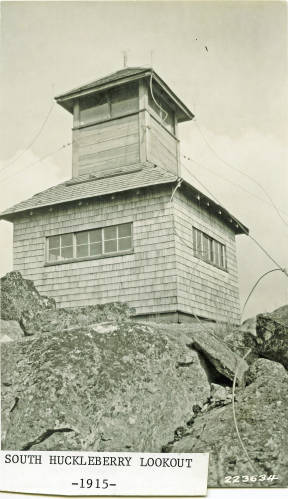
(122, 390)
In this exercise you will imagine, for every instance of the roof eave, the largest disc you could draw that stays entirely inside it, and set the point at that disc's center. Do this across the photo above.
(219, 211)
(9, 216)
(66, 100)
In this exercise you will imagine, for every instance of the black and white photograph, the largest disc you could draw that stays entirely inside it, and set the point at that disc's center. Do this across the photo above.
(143, 258)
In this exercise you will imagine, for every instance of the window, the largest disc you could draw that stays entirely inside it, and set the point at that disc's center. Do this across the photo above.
(208, 249)
(90, 244)
(124, 100)
(107, 105)
(161, 110)
(60, 247)
(94, 108)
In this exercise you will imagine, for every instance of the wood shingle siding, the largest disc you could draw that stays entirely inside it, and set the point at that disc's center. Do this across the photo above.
(162, 275)
(145, 279)
(202, 288)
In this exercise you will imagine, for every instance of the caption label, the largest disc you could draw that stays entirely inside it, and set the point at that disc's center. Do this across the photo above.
(113, 473)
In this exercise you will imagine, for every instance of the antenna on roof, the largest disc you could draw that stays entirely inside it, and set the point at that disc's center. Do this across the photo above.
(124, 52)
(151, 58)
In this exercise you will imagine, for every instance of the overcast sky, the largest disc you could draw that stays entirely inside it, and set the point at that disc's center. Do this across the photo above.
(237, 88)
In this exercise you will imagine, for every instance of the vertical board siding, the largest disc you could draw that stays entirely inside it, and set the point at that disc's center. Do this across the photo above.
(107, 145)
(162, 147)
(203, 289)
(146, 279)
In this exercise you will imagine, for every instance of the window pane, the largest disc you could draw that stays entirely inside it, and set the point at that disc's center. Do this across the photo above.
(82, 251)
(54, 254)
(124, 230)
(195, 240)
(110, 233)
(199, 243)
(205, 247)
(124, 100)
(110, 246)
(96, 249)
(54, 242)
(67, 252)
(95, 236)
(222, 256)
(66, 240)
(210, 250)
(94, 108)
(124, 244)
(82, 238)
(162, 110)
(217, 260)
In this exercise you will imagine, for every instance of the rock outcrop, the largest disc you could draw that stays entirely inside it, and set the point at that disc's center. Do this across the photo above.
(265, 336)
(272, 338)
(19, 296)
(21, 301)
(262, 416)
(124, 389)
(92, 378)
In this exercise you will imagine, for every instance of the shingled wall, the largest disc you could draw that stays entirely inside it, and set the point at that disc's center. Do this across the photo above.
(202, 288)
(160, 276)
(145, 279)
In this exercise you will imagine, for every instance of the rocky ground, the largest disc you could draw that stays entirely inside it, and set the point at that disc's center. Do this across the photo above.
(92, 378)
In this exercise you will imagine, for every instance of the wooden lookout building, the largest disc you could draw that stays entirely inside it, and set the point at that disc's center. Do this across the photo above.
(126, 226)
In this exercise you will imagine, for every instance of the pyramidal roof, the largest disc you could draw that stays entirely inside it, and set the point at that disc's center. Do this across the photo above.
(122, 76)
(112, 77)
(140, 175)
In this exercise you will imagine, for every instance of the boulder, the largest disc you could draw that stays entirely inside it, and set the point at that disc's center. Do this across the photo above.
(73, 318)
(272, 338)
(121, 388)
(19, 295)
(281, 314)
(223, 358)
(10, 331)
(262, 416)
(220, 395)
(242, 341)
(20, 301)
(218, 358)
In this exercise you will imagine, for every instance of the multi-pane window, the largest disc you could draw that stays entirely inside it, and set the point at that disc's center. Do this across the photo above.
(208, 249)
(110, 104)
(91, 243)
(61, 247)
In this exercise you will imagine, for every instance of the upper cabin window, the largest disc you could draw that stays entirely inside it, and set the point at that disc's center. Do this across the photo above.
(208, 249)
(96, 243)
(110, 104)
(124, 100)
(94, 108)
(161, 110)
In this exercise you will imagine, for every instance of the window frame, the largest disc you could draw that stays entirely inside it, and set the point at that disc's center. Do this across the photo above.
(108, 96)
(156, 110)
(104, 254)
(216, 251)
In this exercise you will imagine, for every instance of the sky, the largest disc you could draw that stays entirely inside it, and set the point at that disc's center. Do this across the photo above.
(236, 87)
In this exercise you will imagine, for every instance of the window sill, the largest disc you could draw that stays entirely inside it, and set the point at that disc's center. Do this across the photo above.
(224, 269)
(106, 120)
(88, 258)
